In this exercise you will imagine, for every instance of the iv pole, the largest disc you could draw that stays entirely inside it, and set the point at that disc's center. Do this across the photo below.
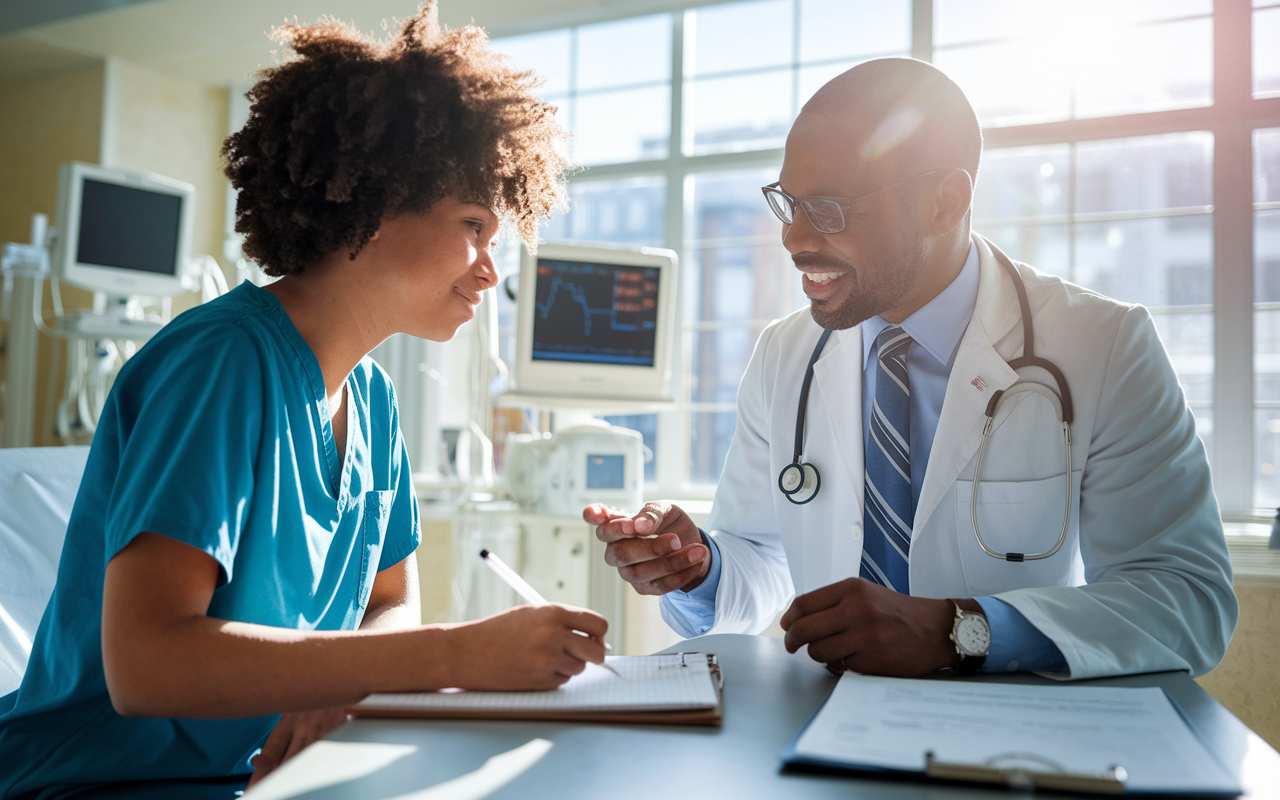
(25, 265)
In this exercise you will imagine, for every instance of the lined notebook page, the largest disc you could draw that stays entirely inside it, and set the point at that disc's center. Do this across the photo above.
(648, 683)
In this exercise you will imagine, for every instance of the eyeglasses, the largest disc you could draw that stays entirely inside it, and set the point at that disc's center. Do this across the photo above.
(825, 214)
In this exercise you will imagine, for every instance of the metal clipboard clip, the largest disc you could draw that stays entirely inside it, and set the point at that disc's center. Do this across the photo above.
(671, 660)
(1048, 775)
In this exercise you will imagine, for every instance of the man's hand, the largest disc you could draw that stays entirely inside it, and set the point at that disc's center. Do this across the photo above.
(657, 551)
(527, 648)
(293, 732)
(858, 625)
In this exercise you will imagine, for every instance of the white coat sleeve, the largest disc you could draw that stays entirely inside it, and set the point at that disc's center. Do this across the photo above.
(754, 580)
(1158, 592)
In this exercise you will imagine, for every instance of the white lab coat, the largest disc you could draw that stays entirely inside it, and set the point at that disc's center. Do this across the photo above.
(1143, 581)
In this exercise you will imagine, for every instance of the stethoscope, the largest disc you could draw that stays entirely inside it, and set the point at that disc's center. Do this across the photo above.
(800, 480)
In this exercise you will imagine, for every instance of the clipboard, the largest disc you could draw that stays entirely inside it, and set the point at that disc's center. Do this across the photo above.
(1009, 770)
(1100, 740)
(667, 689)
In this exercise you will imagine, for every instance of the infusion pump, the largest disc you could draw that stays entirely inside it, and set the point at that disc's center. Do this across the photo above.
(562, 473)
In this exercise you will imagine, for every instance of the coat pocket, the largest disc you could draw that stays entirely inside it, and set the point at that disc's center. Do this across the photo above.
(1019, 517)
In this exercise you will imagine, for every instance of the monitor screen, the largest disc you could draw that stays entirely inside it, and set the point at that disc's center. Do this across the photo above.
(128, 228)
(595, 313)
(606, 471)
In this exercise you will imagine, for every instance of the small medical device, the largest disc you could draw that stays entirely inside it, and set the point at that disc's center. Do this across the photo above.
(595, 323)
(560, 474)
(123, 232)
(799, 481)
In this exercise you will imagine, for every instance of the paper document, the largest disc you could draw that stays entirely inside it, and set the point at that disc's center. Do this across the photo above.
(667, 682)
(890, 723)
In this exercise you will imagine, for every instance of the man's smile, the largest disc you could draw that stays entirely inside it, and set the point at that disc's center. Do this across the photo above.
(822, 277)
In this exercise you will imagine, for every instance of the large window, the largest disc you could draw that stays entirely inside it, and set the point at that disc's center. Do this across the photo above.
(1266, 56)
(738, 279)
(1118, 155)
(1076, 58)
(1131, 218)
(749, 66)
(612, 83)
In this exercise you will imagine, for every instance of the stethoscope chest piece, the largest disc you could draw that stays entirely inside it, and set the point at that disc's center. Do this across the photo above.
(799, 482)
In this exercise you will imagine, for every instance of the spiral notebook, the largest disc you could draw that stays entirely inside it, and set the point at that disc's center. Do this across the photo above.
(675, 688)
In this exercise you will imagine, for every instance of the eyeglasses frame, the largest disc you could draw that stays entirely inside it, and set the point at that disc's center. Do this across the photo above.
(841, 203)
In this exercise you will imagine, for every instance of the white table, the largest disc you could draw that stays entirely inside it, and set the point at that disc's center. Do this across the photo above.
(768, 696)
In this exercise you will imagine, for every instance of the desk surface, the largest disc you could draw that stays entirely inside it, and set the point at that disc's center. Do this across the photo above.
(768, 697)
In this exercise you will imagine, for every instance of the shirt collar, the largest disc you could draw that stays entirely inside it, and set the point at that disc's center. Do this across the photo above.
(938, 325)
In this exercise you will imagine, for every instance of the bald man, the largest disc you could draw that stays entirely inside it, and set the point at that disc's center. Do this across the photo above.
(1087, 549)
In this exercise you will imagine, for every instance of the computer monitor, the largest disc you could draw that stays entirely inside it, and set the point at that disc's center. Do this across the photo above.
(122, 231)
(596, 323)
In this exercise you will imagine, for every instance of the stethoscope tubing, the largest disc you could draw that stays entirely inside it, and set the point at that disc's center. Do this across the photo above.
(1061, 400)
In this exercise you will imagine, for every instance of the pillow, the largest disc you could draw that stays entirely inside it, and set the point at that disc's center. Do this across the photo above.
(37, 488)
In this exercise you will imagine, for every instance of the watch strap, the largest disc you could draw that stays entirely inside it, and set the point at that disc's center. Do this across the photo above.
(968, 664)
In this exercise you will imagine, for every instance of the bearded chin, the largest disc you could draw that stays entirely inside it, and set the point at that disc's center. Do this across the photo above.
(862, 302)
(845, 315)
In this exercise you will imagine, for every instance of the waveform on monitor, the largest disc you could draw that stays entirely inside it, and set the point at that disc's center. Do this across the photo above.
(578, 294)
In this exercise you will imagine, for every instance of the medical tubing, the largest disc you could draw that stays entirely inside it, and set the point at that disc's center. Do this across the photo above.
(804, 395)
(1029, 357)
(973, 500)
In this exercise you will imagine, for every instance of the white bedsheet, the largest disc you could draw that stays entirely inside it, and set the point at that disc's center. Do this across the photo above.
(37, 488)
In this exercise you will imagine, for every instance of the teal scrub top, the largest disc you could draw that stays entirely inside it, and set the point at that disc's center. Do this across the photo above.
(216, 434)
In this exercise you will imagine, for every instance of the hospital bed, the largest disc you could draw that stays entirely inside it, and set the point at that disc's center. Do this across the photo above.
(37, 488)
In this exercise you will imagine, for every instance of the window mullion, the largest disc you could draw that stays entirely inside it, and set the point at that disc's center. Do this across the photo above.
(672, 468)
(922, 29)
(1232, 455)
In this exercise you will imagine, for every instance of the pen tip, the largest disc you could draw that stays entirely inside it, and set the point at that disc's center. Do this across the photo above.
(484, 553)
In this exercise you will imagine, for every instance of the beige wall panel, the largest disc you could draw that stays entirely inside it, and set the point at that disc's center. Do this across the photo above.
(175, 128)
(435, 565)
(46, 121)
(1248, 680)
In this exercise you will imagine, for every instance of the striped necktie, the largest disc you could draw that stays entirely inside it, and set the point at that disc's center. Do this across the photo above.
(887, 514)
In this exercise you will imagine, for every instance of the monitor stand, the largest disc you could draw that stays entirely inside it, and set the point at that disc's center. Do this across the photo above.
(119, 320)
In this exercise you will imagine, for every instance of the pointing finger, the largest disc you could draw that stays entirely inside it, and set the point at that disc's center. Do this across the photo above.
(599, 513)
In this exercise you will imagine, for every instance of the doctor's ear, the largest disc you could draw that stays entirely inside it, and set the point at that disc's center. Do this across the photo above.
(951, 201)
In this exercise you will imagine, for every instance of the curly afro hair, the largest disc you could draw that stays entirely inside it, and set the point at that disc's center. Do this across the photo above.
(352, 131)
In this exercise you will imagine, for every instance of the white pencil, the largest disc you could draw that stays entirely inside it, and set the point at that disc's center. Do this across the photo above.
(512, 578)
(521, 587)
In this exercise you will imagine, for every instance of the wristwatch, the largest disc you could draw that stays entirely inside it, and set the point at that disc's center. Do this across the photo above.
(971, 636)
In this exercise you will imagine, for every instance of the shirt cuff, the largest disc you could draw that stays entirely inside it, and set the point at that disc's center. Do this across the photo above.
(1016, 644)
(697, 608)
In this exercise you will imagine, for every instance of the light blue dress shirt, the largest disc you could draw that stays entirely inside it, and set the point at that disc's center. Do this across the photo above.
(937, 328)
(215, 434)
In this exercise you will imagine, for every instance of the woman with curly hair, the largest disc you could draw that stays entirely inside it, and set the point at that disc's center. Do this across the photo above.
(238, 564)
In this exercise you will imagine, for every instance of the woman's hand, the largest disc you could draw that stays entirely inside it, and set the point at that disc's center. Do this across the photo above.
(293, 732)
(527, 648)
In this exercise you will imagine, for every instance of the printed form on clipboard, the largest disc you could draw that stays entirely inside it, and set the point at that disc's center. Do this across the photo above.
(668, 689)
(1102, 739)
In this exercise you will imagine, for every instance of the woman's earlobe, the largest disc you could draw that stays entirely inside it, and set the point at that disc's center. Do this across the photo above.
(375, 235)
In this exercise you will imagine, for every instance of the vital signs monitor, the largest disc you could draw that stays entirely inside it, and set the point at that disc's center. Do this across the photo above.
(121, 231)
(595, 323)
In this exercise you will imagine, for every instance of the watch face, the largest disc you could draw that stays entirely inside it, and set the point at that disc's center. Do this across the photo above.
(973, 636)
